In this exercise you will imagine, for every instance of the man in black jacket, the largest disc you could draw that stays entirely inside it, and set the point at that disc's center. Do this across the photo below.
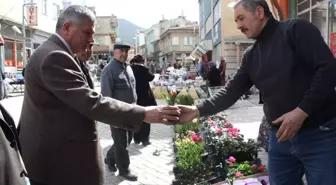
(295, 71)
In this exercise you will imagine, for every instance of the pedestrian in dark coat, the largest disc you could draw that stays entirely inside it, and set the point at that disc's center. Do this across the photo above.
(12, 170)
(145, 95)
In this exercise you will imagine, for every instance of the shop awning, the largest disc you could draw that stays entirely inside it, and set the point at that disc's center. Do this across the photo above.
(201, 49)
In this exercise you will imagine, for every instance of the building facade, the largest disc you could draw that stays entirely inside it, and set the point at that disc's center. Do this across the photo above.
(11, 17)
(153, 36)
(105, 34)
(139, 41)
(176, 43)
(322, 13)
(219, 36)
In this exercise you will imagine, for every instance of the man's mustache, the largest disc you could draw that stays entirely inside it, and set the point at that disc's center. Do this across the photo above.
(243, 29)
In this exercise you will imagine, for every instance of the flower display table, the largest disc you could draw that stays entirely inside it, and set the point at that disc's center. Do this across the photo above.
(256, 179)
(211, 150)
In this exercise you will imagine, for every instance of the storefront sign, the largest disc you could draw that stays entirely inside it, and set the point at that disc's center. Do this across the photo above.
(32, 15)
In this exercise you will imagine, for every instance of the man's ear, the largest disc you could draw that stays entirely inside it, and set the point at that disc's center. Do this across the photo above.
(260, 12)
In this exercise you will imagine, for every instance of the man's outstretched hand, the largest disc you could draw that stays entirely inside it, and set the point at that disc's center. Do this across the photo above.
(162, 114)
(188, 113)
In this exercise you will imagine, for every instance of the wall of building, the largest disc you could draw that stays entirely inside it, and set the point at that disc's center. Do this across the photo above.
(230, 37)
(11, 15)
(12, 11)
(186, 42)
(106, 31)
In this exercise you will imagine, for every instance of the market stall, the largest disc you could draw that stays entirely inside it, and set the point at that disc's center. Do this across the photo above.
(210, 150)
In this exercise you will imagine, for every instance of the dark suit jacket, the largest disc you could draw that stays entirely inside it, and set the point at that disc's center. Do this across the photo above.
(58, 134)
(142, 78)
(11, 166)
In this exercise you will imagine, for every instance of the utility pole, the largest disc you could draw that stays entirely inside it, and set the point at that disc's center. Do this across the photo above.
(24, 57)
(24, 5)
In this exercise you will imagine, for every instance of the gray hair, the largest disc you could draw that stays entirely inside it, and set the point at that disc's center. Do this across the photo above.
(74, 13)
(252, 5)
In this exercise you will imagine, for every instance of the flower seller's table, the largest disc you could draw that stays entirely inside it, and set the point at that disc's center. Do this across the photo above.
(247, 180)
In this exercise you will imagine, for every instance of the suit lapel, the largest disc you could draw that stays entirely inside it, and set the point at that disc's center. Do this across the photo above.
(59, 42)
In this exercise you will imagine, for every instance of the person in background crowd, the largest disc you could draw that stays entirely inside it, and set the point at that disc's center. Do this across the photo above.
(213, 75)
(118, 82)
(12, 169)
(170, 68)
(58, 131)
(295, 71)
(222, 69)
(145, 95)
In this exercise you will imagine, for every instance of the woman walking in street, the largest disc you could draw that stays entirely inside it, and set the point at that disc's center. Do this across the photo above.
(145, 95)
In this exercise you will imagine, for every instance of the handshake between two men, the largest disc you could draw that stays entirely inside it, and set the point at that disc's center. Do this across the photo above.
(170, 115)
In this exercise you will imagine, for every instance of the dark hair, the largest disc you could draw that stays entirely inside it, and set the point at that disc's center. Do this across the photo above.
(74, 13)
(137, 59)
(252, 5)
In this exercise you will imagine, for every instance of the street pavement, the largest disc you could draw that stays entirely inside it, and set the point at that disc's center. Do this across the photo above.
(157, 170)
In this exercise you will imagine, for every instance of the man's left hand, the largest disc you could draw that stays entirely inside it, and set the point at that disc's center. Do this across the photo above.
(291, 123)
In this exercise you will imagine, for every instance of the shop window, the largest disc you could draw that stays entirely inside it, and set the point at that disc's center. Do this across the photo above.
(44, 7)
(217, 12)
(56, 11)
(175, 41)
(188, 41)
(19, 54)
(303, 5)
(9, 54)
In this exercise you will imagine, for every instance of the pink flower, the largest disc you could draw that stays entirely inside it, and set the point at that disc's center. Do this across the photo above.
(191, 133)
(232, 159)
(254, 166)
(261, 168)
(219, 130)
(194, 138)
(239, 174)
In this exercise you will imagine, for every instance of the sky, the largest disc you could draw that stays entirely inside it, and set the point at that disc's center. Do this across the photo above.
(145, 13)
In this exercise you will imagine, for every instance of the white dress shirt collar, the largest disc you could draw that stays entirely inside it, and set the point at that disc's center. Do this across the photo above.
(65, 43)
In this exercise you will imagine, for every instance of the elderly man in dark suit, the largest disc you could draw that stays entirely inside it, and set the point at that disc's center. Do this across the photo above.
(58, 134)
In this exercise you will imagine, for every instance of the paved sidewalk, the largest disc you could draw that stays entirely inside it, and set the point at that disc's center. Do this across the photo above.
(151, 169)
(157, 170)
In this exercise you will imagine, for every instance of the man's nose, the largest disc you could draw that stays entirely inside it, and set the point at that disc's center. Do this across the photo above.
(239, 25)
(91, 40)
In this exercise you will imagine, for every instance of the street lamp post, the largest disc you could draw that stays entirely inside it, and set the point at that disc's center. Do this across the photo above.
(24, 57)
(24, 35)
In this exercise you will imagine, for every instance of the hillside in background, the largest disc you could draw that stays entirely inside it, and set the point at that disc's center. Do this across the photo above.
(127, 31)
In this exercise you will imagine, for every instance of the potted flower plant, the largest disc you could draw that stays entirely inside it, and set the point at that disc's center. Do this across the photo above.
(239, 170)
(170, 98)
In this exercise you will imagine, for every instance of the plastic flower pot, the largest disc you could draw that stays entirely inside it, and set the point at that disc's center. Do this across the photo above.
(205, 157)
(176, 170)
(175, 148)
(176, 182)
